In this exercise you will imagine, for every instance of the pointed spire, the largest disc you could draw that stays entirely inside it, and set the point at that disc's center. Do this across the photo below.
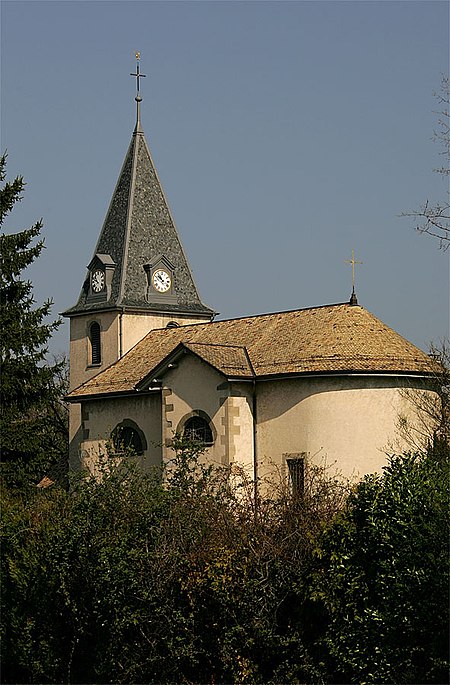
(138, 98)
(139, 238)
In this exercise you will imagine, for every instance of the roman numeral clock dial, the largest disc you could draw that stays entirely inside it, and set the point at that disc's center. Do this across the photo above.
(161, 281)
(98, 281)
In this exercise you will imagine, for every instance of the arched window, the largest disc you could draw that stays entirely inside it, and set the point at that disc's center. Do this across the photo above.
(94, 337)
(127, 437)
(173, 324)
(198, 429)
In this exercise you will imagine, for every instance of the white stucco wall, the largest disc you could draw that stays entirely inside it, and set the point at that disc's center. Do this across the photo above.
(193, 385)
(345, 423)
(136, 326)
(81, 369)
(242, 448)
(99, 418)
(119, 333)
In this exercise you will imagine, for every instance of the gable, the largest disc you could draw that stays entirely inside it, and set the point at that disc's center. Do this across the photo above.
(193, 384)
(228, 360)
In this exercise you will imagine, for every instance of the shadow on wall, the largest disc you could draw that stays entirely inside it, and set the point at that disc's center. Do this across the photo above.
(281, 396)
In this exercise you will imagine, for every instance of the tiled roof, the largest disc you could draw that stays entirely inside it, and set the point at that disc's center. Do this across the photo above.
(329, 339)
(231, 360)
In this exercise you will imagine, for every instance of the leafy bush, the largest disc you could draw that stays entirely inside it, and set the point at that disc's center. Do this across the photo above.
(384, 576)
(133, 578)
(136, 578)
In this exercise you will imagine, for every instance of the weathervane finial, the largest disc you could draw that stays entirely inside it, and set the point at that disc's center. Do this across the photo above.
(138, 98)
(353, 261)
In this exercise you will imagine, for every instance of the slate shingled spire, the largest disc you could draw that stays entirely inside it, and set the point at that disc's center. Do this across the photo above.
(139, 230)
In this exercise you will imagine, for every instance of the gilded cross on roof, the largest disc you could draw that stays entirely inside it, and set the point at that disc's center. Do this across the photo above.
(138, 74)
(353, 261)
(138, 98)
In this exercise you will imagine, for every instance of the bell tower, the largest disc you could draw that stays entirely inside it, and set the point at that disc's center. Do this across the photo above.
(138, 278)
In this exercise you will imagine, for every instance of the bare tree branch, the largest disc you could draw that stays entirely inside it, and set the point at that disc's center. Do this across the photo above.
(434, 220)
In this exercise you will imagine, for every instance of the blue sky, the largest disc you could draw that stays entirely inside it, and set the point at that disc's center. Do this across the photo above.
(285, 134)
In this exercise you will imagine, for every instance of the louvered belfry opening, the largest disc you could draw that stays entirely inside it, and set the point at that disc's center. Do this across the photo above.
(96, 352)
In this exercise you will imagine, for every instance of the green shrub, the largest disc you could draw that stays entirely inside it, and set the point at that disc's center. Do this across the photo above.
(384, 576)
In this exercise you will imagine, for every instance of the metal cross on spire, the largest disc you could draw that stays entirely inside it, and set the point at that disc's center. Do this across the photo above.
(138, 98)
(138, 73)
(353, 261)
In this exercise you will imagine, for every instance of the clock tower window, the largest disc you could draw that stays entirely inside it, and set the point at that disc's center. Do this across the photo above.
(160, 281)
(94, 337)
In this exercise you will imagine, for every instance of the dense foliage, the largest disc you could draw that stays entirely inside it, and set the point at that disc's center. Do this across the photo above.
(135, 579)
(385, 572)
(33, 424)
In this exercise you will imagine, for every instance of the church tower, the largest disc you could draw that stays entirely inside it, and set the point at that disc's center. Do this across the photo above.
(138, 278)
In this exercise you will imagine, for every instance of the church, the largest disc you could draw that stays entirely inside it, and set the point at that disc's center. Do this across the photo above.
(269, 394)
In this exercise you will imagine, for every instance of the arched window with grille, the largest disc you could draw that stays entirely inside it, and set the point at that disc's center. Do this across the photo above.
(198, 429)
(94, 337)
(127, 437)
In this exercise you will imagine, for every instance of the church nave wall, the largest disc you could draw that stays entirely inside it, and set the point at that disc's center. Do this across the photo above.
(99, 419)
(345, 423)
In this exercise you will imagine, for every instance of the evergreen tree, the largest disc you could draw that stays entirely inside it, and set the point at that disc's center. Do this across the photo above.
(32, 425)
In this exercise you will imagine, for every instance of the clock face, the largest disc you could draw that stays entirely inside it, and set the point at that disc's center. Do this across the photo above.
(98, 281)
(161, 281)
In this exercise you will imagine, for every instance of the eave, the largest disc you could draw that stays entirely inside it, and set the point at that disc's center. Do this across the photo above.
(111, 395)
(323, 374)
(72, 312)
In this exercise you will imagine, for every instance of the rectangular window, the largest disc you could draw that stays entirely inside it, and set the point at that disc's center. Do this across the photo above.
(296, 471)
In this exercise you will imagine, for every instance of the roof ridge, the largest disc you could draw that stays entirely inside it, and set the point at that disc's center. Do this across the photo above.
(289, 311)
(193, 342)
(257, 316)
(130, 205)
